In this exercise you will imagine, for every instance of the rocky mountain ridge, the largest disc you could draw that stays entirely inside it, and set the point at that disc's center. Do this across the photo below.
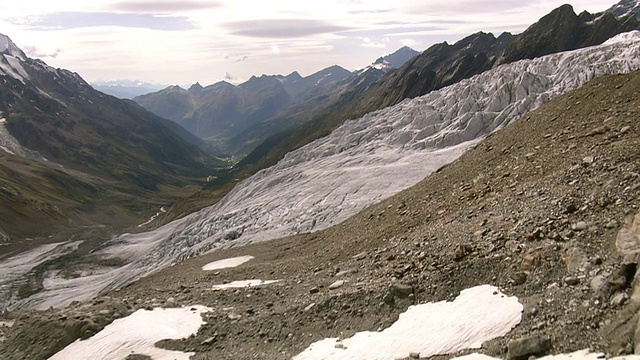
(237, 120)
(444, 64)
(74, 157)
(536, 213)
(222, 111)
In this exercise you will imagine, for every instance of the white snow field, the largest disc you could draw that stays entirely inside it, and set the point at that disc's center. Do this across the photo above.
(578, 355)
(360, 163)
(244, 284)
(137, 334)
(227, 263)
(433, 328)
(429, 329)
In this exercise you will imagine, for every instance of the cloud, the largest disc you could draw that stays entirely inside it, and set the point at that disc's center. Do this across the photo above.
(401, 29)
(367, 42)
(284, 28)
(75, 20)
(439, 7)
(229, 77)
(166, 6)
(380, 11)
(34, 52)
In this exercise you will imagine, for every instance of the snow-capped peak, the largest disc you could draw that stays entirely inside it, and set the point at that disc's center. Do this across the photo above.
(392, 61)
(11, 60)
(7, 47)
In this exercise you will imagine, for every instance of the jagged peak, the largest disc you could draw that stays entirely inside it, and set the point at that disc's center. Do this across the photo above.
(565, 10)
(294, 74)
(7, 47)
(473, 38)
(505, 35)
(221, 83)
(195, 88)
(403, 51)
(172, 88)
(329, 70)
(335, 67)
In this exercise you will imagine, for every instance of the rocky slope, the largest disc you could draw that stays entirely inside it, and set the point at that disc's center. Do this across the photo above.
(542, 208)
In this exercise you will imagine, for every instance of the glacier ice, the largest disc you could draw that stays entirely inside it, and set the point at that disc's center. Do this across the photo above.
(360, 163)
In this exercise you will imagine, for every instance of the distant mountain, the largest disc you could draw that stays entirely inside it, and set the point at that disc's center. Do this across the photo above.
(222, 111)
(319, 101)
(396, 59)
(300, 87)
(126, 89)
(71, 155)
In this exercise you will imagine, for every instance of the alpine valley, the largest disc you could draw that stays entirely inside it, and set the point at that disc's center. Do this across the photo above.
(476, 200)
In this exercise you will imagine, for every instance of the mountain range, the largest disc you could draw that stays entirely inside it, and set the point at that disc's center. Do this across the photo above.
(126, 89)
(236, 119)
(358, 164)
(506, 160)
(439, 66)
(74, 157)
(510, 212)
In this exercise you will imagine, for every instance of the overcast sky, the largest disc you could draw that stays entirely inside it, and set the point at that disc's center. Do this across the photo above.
(184, 41)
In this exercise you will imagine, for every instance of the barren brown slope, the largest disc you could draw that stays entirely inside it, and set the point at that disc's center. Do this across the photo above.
(533, 209)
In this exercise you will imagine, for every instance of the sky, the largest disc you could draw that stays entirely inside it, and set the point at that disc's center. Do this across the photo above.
(187, 41)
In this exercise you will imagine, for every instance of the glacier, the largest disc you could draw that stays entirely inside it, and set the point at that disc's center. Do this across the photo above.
(362, 162)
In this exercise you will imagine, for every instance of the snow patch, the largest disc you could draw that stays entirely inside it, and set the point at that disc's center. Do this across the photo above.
(7, 323)
(6, 69)
(4, 43)
(227, 263)
(429, 329)
(7, 150)
(16, 64)
(243, 284)
(137, 334)
(585, 354)
(162, 211)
